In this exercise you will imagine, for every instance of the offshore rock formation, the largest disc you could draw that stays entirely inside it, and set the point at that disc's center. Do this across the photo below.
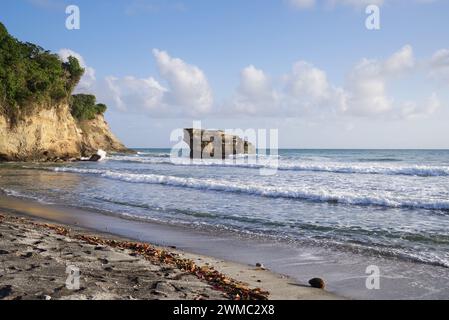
(215, 144)
(51, 133)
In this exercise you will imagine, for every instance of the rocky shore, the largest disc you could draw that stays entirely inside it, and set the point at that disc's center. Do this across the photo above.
(52, 134)
(37, 261)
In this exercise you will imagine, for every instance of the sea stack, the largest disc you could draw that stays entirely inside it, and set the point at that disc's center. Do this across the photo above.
(215, 144)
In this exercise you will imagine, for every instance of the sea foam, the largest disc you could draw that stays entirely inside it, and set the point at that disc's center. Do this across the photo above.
(319, 195)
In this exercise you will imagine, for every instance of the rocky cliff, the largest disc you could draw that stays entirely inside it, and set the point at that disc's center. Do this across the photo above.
(40, 118)
(51, 133)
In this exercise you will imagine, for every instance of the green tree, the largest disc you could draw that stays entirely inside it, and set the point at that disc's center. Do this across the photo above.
(85, 107)
(31, 76)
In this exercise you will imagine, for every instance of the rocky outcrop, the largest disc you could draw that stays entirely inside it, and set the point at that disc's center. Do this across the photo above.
(96, 135)
(215, 144)
(50, 133)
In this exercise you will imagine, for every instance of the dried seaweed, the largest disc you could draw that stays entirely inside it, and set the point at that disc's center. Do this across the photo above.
(234, 289)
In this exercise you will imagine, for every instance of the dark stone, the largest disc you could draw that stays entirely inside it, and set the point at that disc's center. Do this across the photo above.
(317, 283)
(3, 252)
(95, 158)
(5, 291)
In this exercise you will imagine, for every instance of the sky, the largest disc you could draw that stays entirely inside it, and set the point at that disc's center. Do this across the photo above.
(309, 68)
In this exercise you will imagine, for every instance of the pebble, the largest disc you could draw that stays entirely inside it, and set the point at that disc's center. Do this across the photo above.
(260, 266)
(317, 283)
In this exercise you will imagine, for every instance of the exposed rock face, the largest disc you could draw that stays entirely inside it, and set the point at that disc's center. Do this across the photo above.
(97, 135)
(215, 144)
(52, 133)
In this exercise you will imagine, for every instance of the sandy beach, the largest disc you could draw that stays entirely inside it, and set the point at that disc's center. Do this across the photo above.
(36, 259)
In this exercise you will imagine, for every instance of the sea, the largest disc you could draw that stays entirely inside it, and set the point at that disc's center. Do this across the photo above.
(392, 204)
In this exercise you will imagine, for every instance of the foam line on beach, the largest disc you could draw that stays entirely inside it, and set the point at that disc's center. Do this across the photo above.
(330, 167)
(263, 190)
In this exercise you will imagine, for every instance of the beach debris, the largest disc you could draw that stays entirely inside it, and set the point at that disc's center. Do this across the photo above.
(260, 266)
(233, 289)
(317, 283)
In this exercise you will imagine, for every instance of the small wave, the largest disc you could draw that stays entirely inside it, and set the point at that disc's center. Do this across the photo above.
(379, 160)
(17, 194)
(264, 191)
(413, 170)
(154, 154)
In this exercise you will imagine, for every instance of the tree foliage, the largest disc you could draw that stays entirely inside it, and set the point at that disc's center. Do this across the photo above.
(31, 76)
(85, 107)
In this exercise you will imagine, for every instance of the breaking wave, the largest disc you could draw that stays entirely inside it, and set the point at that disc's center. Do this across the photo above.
(264, 191)
(331, 167)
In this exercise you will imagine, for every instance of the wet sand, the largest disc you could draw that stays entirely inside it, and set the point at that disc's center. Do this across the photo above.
(35, 256)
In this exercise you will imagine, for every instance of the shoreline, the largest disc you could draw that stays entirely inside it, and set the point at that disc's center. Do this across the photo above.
(211, 278)
(345, 273)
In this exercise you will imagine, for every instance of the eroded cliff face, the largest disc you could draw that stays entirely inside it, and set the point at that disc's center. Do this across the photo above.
(49, 134)
(97, 135)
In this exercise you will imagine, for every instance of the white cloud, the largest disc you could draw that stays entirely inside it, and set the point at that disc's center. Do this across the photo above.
(400, 61)
(88, 80)
(255, 94)
(182, 89)
(306, 91)
(426, 108)
(366, 89)
(308, 82)
(136, 95)
(367, 84)
(439, 66)
(187, 91)
(188, 86)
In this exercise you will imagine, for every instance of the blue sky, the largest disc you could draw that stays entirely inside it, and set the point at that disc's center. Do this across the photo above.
(258, 64)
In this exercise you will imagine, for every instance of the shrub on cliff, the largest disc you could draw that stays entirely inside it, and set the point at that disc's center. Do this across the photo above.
(85, 107)
(31, 76)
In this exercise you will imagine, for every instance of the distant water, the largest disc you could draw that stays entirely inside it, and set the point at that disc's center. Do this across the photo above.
(391, 203)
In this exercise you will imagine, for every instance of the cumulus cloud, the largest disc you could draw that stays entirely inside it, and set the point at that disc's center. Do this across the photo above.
(188, 85)
(367, 82)
(255, 94)
(88, 80)
(182, 89)
(439, 66)
(144, 95)
(367, 85)
(428, 107)
(306, 91)
(187, 91)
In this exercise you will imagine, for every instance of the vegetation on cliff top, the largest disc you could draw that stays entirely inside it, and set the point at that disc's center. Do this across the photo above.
(85, 107)
(31, 76)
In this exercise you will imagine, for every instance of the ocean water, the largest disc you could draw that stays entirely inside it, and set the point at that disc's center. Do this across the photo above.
(389, 203)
